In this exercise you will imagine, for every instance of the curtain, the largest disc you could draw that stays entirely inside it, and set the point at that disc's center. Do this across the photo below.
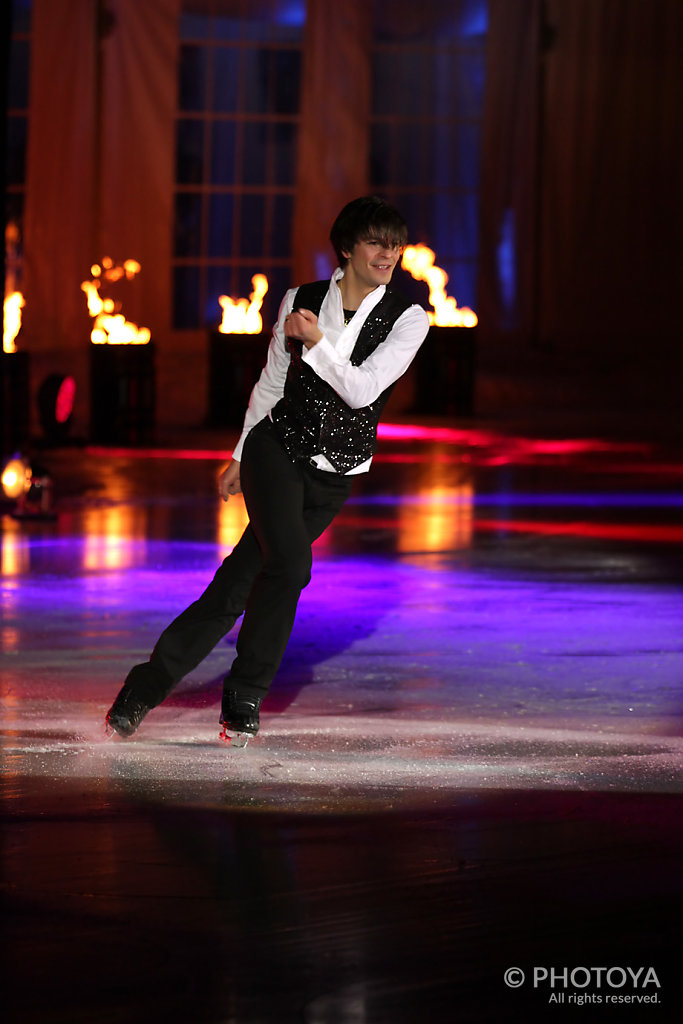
(582, 162)
(139, 83)
(99, 171)
(334, 129)
(60, 213)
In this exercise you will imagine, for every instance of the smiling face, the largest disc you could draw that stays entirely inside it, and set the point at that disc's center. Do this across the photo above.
(370, 264)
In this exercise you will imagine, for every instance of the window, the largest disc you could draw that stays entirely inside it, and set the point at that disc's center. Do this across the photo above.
(236, 139)
(428, 90)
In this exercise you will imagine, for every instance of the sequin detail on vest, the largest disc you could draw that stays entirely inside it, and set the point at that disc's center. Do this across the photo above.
(311, 419)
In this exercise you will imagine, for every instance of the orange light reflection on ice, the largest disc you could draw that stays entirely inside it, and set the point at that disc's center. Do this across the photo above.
(418, 260)
(242, 316)
(441, 519)
(232, 521)
(15, 552)
(114, 538)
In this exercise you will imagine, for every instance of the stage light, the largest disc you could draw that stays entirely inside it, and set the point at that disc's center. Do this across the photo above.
(30, 487)
(16, 478)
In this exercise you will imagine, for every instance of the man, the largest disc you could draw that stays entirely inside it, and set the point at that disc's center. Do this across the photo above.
(337, 350)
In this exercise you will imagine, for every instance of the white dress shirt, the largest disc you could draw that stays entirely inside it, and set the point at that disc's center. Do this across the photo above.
(358, 386)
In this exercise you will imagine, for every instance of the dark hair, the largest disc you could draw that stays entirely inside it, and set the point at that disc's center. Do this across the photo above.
(365, 218)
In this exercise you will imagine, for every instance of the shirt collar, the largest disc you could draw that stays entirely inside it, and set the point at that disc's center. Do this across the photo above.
(368, 303)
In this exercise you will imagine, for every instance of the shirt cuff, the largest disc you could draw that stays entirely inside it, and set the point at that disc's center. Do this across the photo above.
(321, 354)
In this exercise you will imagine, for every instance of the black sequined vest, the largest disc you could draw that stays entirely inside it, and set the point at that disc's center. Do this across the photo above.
(311, 419)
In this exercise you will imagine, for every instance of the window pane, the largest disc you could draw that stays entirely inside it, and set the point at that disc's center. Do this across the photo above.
(189, 152)
(255, 81)
(186, 297)
(275, 20)
(410, 144)
(381, 154)
(192, 78)
(414, 208)
(194, 26)
(455, 217)
(18, 75)
(454, 155)
(283, 81)
(462, 283)
(21, 15)
(402, 82)
(252, 209)
(223, 155)
(284, 137)
(281, 227)
(188, 225)
(225, 79)
(227, 29)
(459, 78)
(254, 153)
(272, 81)
(15, 156)
(218, 283)
(221, 212)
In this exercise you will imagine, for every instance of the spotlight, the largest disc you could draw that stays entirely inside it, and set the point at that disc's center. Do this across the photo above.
(30, 487)
(16, 477)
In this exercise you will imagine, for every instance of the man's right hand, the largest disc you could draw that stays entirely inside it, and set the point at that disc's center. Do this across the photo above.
(229, 480)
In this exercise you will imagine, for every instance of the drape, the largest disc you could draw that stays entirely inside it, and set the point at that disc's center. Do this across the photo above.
(139, 83)
(60, 213)
(582, 162)
(334, 129)
(99, 171)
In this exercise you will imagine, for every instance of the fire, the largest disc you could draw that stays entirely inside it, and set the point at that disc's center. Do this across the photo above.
(242, 316)
(111, 327)
(418, 260)
(14, 303)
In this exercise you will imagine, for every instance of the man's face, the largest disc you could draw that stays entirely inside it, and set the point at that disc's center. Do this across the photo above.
(372, 262)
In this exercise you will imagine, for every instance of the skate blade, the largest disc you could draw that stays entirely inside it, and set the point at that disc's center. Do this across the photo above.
(234, 738)
(109, 732)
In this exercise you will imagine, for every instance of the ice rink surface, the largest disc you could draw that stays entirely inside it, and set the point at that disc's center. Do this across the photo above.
(469, 762)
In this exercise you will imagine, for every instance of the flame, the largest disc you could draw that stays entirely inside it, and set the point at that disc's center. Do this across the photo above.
(418, 260)
(242, 316)
(111, 327)
(14, 303)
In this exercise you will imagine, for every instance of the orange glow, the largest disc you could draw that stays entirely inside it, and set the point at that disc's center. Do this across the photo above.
(115, 538)
(111, 326)
(14, 560)
(442, 521)
(232, 521)
(16, 478)
(14, 303)
(243, 316)
(418, 260)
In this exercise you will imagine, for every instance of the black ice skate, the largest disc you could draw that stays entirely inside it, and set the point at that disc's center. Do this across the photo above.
(125, 714)
(239, 718)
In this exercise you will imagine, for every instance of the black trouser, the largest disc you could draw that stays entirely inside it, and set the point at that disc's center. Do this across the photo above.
(289, 505)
